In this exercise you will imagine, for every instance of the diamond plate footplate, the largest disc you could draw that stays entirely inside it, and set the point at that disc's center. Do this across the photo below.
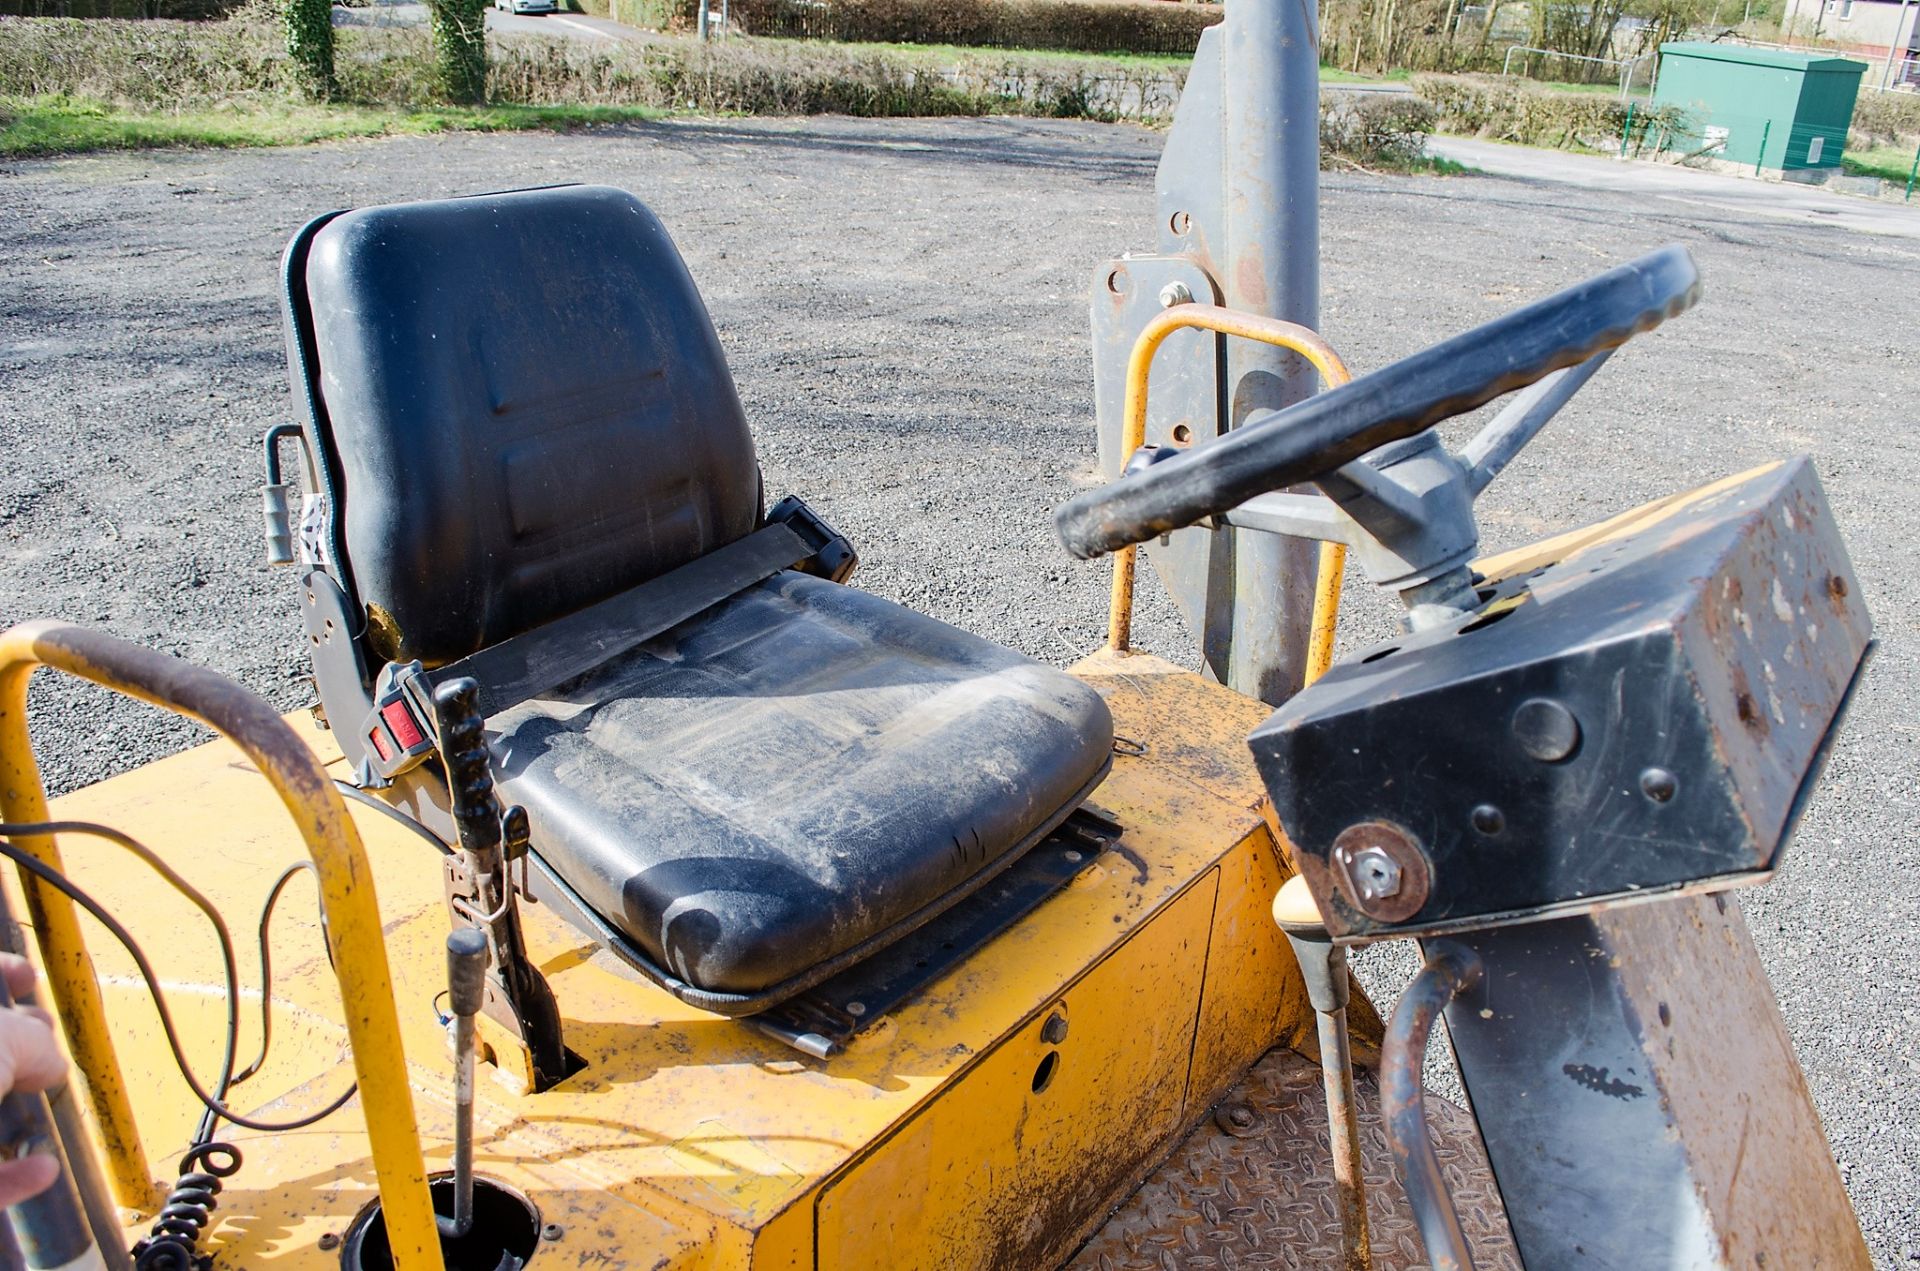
(1262, 1196)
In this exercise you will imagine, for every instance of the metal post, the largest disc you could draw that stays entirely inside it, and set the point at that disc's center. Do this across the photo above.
(1272, 267)
(1626, 131)
(1761, 159)
(1323, 967)
(704, 19)
(1913, 172)
(466, 994)
(1897, 45)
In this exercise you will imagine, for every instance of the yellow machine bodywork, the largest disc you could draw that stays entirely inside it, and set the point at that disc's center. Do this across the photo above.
(949, 1134)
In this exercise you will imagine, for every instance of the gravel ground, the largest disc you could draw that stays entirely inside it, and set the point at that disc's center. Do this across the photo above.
(904, 303)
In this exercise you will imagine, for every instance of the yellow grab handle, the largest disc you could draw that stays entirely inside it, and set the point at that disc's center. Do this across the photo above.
(346, 893)
(1310, 345)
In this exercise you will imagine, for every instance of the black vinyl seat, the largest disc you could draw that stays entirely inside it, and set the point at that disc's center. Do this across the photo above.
(519, 408)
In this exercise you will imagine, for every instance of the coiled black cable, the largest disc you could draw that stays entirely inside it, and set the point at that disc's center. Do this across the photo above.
(173, 1245)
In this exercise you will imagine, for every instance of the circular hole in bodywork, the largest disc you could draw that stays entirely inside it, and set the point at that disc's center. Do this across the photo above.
(1180, 223)
(506, 1230)
(1182, 435)
(1043, 1075)
(1117, 282)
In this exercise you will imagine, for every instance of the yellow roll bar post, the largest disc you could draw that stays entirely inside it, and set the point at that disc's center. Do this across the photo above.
(1310, 345)
(346, 894)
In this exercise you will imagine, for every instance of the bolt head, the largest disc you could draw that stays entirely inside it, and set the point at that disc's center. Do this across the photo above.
(1376, 875)
(1237, 1120)
(1175, 293)
(1659, 785)
(329, 1242)
(1488, 819)
(1054, 1031)
(552, 1231)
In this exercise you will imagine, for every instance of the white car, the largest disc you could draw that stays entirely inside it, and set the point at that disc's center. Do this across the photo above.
(526, 6)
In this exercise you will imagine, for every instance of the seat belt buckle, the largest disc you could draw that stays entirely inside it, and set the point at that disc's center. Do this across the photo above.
(833, 556)
(398, 730)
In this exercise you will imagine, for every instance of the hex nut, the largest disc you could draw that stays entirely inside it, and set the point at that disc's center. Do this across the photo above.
(1376, 875)
(1175, 293)
(1054, 1031)
(1381, 871)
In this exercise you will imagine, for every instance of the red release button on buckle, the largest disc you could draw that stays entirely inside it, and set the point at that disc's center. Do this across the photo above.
(400, 720)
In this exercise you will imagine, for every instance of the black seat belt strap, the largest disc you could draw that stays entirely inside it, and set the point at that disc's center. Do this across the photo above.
(546, 657)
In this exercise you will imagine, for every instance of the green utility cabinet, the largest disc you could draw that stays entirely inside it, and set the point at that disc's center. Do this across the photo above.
(1766, 108)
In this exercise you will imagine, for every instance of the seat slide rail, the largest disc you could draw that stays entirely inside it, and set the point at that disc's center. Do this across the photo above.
(354, 939)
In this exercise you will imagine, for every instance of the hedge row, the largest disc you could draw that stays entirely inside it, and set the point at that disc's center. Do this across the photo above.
(1506, 109)
(196, 10)
(157, 64)
(162, 66)
(1091, 26)
(1883, 119)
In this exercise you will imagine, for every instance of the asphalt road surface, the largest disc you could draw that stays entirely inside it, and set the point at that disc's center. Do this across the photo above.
(905, 306)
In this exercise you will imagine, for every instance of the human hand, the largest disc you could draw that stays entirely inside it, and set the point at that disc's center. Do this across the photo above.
(30, 1061)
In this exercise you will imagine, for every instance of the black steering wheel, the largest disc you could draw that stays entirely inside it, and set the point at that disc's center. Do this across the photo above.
(1317, 436)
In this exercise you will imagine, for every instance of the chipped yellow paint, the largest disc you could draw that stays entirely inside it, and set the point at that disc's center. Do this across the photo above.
(1019, 1155)
(690, 1140)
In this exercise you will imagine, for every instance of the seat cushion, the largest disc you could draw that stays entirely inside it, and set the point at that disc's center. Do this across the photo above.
(793, 774)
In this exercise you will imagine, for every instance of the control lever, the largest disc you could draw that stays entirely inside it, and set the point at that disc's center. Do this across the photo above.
(466, 993)
(1323, 965)
(51, 1227)
(479, 884)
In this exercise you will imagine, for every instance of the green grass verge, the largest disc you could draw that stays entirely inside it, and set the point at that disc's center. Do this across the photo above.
(1892, 163)
(64, 125)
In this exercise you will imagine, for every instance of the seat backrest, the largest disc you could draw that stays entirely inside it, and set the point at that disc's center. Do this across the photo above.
(523, 408)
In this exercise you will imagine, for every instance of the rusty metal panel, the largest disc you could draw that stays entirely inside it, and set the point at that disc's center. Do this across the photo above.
(1637, 1092)
(1252, 1186)
(1644, 713)
(1185, 406)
